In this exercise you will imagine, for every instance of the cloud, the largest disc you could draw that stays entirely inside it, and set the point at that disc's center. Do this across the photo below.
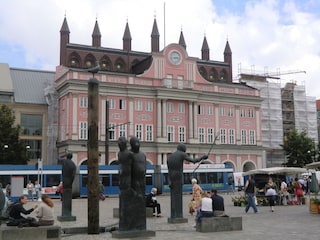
(264, 35)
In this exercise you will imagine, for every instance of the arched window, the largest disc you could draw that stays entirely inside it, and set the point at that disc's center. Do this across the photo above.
(105, 64)
(119, 65)
(203, 72)
(89, 61)
(223, 76)
(213, 76)
(74, 60)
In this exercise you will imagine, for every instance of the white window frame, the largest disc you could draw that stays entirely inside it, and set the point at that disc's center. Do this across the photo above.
(112, 103)
(83, 102)
(223, 139)
(170, 133)
(200, 109)
(201, 134)
(122, 130)
(182, 133)
(138, 105)
(242, 112)
(244, 137)
(222, 112)
(210, 135)
(170, 107)
(231, 136)
(210, 110)
(112, 131)
(122, 104)
(149, 133)
(251, 113)
(252, 137)
(181, 107)
(231, 112)
(139, 130)
(149, 106)
(83, 130)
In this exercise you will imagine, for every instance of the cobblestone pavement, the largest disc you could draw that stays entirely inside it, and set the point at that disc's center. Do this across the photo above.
(287, 222)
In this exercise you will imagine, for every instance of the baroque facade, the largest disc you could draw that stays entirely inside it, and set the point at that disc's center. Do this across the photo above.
(163, 97)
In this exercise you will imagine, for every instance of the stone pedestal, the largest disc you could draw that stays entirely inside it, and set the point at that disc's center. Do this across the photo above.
(177, 220)
(133, 234)
(66, 207)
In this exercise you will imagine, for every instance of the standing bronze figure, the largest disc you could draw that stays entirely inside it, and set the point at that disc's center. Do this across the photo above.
(175, 172)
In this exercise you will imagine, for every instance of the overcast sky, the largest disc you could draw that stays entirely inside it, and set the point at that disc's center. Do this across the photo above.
(264, 35)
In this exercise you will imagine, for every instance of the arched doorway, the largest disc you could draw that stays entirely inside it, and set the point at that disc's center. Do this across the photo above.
(248, 166)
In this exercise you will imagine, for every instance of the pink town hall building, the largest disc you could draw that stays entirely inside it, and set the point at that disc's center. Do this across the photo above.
(164, 97)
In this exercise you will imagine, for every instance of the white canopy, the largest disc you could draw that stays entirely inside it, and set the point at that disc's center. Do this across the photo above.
(313, 165)
(276, 170)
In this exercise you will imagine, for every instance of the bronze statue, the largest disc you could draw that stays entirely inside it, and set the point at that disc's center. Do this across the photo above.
(125, 158)
(175, 172)
(68, 174)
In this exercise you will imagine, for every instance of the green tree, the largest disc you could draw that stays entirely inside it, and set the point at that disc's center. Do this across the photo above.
(13, 150)
(299, 149)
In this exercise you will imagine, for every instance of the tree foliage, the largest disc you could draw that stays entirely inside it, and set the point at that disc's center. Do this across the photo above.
(299, 149)
(13, 150)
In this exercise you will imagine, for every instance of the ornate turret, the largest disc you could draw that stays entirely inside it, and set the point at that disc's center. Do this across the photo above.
(181, 41)
(64, 40)
(96, 36)
(127, 38)
(155, 37)
(205, 51)
(228, 57)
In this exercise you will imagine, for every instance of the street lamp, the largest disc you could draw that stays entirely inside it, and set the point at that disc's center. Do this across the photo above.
(5, 147)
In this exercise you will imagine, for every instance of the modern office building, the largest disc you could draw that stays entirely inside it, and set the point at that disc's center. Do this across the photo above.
(26, 92)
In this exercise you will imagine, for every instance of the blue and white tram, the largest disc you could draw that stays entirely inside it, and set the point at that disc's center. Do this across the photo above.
(208, 176)
(109, 175)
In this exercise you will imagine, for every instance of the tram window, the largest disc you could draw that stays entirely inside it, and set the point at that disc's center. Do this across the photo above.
(202, 178)
(220, 177)
(5, 180)
(84, 181)
(187, 177)
(213, 177)
(53, 180)
(115, 180)
(165, 179)
(149, 180)
(210, 177)
(31, 178)
(105, 180)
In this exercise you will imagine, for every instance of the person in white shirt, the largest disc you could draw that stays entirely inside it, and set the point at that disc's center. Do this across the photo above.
(205, 209)
(37, 188)
(284, 192)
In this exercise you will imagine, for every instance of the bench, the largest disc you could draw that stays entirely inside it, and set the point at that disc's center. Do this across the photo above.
(219, 224)
(149, 212)
(30, 233)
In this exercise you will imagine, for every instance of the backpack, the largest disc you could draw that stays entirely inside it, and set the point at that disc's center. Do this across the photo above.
(5, 215)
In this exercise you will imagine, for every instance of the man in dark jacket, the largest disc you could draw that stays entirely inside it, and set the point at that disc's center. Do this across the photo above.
(17, 209)
(217, 204)
(151, 201)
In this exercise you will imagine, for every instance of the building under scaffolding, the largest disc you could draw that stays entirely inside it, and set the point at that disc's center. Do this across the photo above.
(282, 109)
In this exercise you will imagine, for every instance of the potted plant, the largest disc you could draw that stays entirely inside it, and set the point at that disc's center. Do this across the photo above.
(314, 205)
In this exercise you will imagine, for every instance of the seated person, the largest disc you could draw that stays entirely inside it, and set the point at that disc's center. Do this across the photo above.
(15, 217)
(151, 201)
(205, 208)
(44, 212)
(217, 204)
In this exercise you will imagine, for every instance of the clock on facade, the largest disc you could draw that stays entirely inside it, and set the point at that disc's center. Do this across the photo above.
(175, 57)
